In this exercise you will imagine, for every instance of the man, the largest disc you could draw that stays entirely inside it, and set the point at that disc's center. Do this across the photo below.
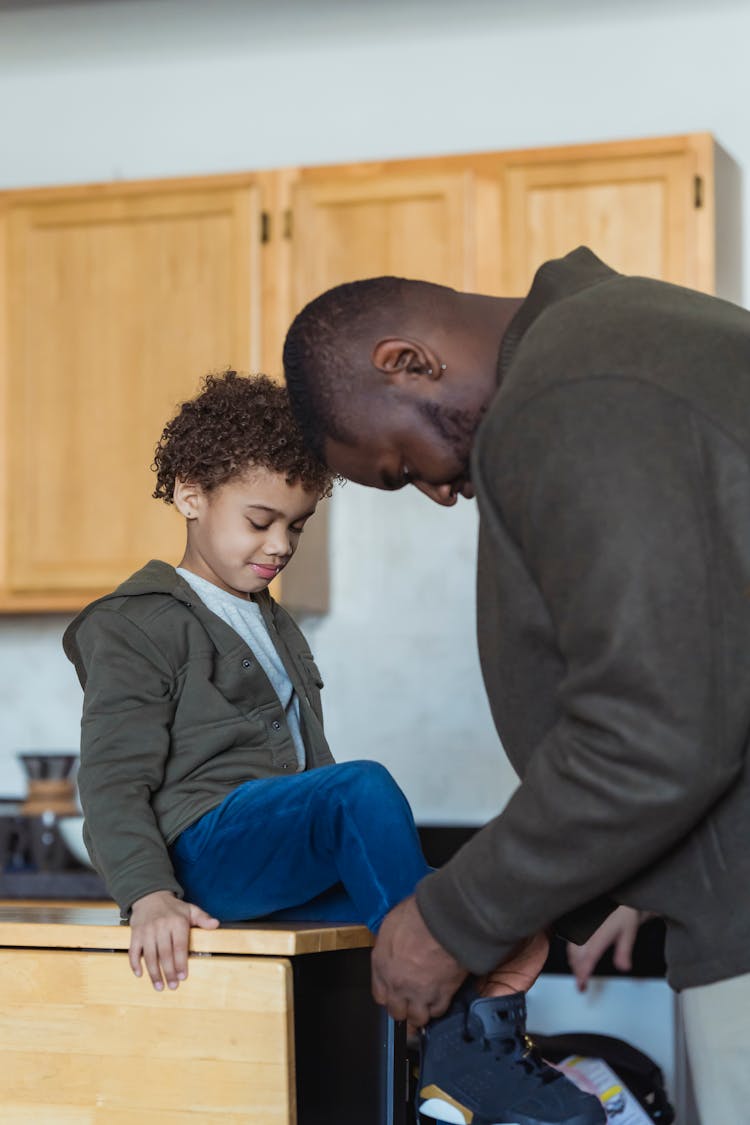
(603, 423)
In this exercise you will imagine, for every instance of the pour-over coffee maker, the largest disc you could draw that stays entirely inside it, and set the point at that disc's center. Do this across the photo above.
(51, 782)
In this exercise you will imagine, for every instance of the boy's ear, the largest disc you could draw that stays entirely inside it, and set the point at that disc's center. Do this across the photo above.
(188, 498)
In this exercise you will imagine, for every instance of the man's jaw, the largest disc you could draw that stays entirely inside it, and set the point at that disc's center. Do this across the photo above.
(446, 494)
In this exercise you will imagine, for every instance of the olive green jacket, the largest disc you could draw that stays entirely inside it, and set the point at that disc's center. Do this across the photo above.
(177, 713)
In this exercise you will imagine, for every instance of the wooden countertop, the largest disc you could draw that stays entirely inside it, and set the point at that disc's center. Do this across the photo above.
(97, 926)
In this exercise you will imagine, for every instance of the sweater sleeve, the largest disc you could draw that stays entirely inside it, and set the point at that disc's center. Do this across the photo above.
(127, 714)
(602, 485)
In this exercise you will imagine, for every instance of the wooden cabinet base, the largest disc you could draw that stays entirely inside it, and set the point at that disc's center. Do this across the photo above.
(250, 1037)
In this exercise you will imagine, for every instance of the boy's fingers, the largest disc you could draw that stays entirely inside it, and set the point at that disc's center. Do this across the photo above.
(162, 945)
(166, 958)
(134, 957)
(180, 947)
(151, 957)
(200, 918)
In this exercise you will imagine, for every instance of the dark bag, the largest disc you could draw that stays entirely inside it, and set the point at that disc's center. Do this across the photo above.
(635, 1070)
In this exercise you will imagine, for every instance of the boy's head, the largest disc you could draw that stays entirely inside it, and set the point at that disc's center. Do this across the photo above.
(233, 462)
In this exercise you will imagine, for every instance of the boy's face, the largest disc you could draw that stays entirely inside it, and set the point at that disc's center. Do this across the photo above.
(243, 533)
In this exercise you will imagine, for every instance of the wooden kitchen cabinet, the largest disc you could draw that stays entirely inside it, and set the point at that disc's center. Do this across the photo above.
(119, 299)
(645, 207)
(410, 219)
(115, 299)
(275, 1025)
(486, 221)
(416, 219)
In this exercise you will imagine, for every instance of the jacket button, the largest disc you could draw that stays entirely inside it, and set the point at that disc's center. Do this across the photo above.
(276, 724)
(246, 663)
(285, 766)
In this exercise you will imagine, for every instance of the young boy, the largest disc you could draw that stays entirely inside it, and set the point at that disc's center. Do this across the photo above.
(202, 732)
(209, 791)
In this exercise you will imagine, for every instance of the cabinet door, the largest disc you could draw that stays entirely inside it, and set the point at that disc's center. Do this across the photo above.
(645, 207)
(422, 222)
(119, 302)
(416, 219)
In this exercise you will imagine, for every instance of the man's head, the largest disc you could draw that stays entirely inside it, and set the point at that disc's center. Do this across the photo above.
(389, 378)
(234, 464)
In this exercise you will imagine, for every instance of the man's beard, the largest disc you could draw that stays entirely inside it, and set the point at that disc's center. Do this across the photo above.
(456, 427)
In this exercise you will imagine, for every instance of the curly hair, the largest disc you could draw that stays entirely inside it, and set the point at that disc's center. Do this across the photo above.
(235, 423)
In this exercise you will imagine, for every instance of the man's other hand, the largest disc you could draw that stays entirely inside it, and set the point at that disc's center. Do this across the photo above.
(618, 932)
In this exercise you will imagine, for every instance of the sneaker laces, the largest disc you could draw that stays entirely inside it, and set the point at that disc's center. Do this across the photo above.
(510, 1044)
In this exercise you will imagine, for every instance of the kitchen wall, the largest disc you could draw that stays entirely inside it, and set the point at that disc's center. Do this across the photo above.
(139, 88)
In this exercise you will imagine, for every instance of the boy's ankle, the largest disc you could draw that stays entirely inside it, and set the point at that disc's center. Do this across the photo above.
(494, 984)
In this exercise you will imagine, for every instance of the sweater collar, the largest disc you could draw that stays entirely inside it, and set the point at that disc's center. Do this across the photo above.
(553, 281)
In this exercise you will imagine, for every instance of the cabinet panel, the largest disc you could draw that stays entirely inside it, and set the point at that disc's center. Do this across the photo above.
(353, 223)
(410, 225)
(118, 306)
(643, 207)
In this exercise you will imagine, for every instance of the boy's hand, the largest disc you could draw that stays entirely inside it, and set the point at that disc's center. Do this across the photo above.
(159, 931)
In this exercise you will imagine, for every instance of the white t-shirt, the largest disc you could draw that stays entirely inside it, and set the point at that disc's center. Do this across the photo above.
(245, 618)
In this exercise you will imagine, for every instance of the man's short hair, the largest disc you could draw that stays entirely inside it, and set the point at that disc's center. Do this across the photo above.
(323, 358)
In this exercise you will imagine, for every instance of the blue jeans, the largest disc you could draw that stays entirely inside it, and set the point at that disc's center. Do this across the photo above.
(335, 844)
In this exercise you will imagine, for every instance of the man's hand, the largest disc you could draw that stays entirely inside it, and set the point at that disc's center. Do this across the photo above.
(159, 931)
(412, 974)
(619, 930)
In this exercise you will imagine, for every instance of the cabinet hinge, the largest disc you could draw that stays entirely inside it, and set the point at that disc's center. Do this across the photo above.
(697, 191)
(265, 226)
(288, 224)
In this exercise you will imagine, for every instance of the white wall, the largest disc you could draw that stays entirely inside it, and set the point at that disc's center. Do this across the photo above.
(640, 1011)
(138, 88)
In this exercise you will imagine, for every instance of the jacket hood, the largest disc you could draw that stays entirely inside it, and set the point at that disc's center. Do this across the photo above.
(155, 577)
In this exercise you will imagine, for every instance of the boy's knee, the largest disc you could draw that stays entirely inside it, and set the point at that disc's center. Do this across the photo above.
(369, 775)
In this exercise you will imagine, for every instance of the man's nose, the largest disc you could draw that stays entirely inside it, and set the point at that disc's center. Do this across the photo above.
(443, 494)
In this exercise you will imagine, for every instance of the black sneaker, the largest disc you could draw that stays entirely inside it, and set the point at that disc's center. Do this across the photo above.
(479, 1067)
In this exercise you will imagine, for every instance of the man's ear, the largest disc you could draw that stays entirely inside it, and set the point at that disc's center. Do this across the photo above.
(400, 358)
(188, 498)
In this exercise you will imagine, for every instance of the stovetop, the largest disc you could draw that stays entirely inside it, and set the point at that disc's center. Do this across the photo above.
(35, 862)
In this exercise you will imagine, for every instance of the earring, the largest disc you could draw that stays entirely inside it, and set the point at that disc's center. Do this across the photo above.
(429, 371)
(443, 366)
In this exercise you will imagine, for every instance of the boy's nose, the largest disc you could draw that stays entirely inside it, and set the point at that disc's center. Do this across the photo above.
(277, 545)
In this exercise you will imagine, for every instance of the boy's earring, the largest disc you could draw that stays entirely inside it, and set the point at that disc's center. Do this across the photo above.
(443, 367)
